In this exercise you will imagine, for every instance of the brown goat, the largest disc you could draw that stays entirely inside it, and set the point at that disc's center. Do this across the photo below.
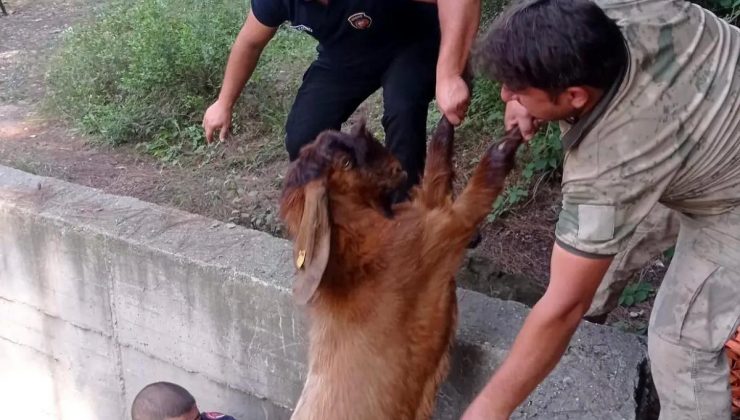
(380, 287)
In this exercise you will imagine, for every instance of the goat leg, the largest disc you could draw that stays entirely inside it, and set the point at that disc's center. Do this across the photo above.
(431, 387)
(437, 181)
(487, 182)
(438, 172)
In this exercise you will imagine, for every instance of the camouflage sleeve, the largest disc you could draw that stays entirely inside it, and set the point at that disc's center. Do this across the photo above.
(610, 183)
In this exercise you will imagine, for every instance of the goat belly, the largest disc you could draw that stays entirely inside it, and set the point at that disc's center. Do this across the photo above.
(385, 364)
(371, 387)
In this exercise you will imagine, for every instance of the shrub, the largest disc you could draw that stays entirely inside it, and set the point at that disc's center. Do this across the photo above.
(147, 70)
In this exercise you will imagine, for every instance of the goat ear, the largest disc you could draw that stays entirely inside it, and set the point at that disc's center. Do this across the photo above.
(312, 242)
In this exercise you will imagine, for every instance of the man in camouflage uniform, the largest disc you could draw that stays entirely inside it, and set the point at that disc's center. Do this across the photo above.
(648, 96)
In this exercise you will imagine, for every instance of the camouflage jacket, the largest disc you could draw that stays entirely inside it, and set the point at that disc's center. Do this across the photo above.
(668, 131)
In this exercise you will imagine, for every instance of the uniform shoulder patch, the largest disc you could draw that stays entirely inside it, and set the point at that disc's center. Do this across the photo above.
(360, 21)
(596, 223)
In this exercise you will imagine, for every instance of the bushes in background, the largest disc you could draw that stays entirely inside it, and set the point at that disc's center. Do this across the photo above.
(147, 70)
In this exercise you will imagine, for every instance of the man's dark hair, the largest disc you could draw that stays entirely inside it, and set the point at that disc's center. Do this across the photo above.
(160, 400)
(553, 45)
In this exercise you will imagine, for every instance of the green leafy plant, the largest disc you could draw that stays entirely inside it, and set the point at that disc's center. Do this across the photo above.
(145, 71)
(635, 293)
(486, 111)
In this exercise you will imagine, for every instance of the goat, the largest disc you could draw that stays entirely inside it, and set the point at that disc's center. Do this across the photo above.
(380, 288)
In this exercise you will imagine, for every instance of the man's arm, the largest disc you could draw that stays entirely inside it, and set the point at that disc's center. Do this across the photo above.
(459, 20)
(245, 54)
(545, 335)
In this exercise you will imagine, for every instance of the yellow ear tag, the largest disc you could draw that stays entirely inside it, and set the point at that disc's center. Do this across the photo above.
(301, 258)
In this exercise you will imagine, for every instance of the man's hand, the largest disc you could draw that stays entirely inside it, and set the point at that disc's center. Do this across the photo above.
(453, 98)
(217, 118)
(458, 21)
(517, 115)
(243, 58)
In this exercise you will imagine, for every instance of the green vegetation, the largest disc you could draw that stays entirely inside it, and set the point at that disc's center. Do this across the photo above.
(729, 9)
(145, 72)
(636, 293)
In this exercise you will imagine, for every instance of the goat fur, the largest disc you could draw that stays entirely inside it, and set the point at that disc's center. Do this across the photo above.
(380, 288)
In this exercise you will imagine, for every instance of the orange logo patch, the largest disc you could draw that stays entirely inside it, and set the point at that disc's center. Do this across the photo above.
(360, 21)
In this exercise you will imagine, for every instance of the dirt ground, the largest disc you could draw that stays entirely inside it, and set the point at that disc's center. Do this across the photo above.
(517, 247)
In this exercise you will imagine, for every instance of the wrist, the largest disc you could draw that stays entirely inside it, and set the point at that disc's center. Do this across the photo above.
(486, 407)
(450, 63)
(226, 102)
(449, 72)
(495, 399)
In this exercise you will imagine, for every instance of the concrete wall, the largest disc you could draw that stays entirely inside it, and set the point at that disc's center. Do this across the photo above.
(100, 295)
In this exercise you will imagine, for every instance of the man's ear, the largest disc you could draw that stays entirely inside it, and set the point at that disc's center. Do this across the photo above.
(578, 96)
(312, 243)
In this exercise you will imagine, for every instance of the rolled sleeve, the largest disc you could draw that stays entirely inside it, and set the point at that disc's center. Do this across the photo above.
(590, 229)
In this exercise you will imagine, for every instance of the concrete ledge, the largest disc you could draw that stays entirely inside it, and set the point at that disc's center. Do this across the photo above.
(101, 294)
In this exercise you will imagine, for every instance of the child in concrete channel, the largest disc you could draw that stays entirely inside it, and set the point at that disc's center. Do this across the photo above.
(168, 401)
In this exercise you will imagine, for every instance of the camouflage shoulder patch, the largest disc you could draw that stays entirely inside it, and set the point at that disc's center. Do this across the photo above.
(596, 223)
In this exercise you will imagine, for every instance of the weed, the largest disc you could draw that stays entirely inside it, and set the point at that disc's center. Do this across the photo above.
(636, 293)
(486, 112)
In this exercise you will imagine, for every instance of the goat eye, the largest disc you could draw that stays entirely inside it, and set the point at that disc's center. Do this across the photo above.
(346, 164)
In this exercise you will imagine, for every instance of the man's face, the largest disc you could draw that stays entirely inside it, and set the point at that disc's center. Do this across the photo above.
(542, 105)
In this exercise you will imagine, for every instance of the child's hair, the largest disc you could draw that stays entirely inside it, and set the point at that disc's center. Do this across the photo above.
(160, 400)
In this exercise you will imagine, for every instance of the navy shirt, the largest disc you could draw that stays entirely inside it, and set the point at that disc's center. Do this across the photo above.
(343, 27)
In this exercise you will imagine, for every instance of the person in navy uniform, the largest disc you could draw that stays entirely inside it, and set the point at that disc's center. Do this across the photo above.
(412, 49)
(168, 401)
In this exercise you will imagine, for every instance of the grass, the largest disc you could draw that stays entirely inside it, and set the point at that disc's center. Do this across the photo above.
(146, 71)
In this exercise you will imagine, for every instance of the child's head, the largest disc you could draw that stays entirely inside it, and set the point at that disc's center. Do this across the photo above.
(164, 401)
